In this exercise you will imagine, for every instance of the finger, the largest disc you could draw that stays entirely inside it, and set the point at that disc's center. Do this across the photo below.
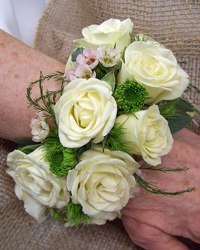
(150, 238)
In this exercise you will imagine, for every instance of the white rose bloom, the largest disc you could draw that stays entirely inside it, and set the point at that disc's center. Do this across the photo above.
(39, 128)
(112, 33)
(102, 183)
(148, 134)
(35, 184)
(156, 68)
(85, 111)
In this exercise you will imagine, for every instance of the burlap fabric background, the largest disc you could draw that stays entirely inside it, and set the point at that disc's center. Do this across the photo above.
(176, 24)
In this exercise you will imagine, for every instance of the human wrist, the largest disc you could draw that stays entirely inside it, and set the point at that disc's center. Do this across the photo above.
(20, 66)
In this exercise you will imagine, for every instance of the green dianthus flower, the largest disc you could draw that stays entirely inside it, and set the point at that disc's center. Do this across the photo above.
(75, 215)
(60, 159)
(130, 96)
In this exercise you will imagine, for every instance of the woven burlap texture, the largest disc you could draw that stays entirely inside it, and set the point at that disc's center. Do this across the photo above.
(175, 24)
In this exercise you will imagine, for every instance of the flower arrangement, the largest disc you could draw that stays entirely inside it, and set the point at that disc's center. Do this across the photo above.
(120, 99)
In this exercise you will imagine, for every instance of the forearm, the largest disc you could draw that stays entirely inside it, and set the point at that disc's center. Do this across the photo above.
(19, 65)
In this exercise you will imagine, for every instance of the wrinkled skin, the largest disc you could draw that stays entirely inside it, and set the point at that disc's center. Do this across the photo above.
(152, 220)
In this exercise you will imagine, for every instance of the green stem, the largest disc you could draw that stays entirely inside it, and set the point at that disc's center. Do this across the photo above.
(152, 188)
(162, 169)
(49, 97)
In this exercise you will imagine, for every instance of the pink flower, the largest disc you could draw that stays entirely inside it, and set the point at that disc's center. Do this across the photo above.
(89, 57)
(84, 71)
(71, 75)
(39, 127)
(108, 58)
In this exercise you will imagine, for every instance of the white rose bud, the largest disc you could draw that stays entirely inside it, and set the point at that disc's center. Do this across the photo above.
(112, 33)
(35, 184)
(156, 68)
(147, 133)
(85, 111)
(102, 183)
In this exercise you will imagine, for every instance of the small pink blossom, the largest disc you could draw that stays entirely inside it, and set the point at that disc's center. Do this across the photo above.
(89, 57)
(84, 71)
(71, 75)
(39, 128)
(108, 58)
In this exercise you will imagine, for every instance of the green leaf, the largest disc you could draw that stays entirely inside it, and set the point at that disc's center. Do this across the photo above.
(24, 141)
(178, 113)
(75, 53)
(29, 148)
(100, 71)
(110, 79)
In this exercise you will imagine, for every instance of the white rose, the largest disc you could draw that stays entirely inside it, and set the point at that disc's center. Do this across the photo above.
(85, 111)
(35, 184)
(148, 134)
(112, 34)
(156, 68)
(102, 183)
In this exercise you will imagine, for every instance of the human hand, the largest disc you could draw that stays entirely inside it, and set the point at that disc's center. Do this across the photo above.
(153, 220)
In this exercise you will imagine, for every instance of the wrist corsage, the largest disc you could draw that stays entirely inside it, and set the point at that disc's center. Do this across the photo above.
(113, 113)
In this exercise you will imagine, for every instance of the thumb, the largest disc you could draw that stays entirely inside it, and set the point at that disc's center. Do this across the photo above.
(150, 238)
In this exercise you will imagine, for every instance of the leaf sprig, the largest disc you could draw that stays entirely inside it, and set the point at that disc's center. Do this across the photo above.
(47, 98)
(164, 170)
(152, 188)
